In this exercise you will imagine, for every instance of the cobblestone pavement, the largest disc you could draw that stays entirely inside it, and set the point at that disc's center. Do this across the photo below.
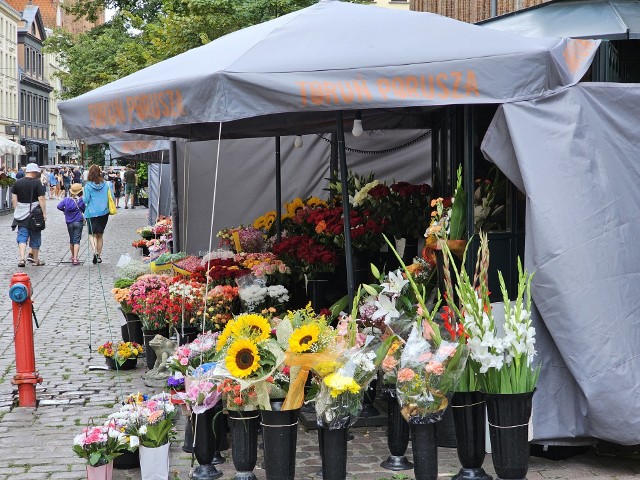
(75, 318)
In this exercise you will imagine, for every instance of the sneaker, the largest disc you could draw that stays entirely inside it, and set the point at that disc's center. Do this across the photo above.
(132, 208)
(125, 207)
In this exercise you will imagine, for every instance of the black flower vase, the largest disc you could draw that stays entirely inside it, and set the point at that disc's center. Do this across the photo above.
(317, 291)
(280, 436)
(187, 445)
(397, 435)
(244, 443)
(368, 410)
(187, 335)
(333, 444)
(425, 451)
(205, 444)
(127, 461)
(509, 433)
(134, 328)
(220, 432)
(469, 417)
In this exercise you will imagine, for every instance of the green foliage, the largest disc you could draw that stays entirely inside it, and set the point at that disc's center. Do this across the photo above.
(123, 283)
(7, 182)
(143, 173)
(458, 222)
(158, 434)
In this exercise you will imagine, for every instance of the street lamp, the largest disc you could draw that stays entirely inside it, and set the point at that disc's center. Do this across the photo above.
(12, 129)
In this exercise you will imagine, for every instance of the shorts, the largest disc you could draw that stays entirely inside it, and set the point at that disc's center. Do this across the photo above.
(97, 224)
(117, 192)
(34, 237)
(129, 189)
(75, 232)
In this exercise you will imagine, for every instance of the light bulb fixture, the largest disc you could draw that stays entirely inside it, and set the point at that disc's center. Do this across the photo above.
(357, 125)
(298, 142)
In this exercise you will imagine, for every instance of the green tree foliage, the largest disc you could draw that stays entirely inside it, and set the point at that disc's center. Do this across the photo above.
(144, 32)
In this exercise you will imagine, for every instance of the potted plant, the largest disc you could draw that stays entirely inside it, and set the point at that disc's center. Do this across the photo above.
(121, 355)
(99, 445)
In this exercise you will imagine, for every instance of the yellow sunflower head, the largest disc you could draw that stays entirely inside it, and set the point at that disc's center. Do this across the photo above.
(294, 205)
(316, 202)
(303, 338)
(225, 335)
(255, 326)
(242, 358)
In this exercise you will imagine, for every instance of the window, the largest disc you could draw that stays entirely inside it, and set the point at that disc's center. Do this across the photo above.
(27, 58)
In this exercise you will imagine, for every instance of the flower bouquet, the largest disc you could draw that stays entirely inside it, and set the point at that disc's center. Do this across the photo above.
(221, 303)
(242, 239)
(305, 256)
(122, 355)
(148, 296)
(99, 445)
(248, 355)
(190, 356)
(265, 266)
(202, 392)
(256, 296)
(146, 232)
(152, 423)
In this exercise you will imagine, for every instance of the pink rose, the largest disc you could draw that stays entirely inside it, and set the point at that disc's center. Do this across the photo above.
(434, 367)
(389, 363)
(406, 375)
(184, 361)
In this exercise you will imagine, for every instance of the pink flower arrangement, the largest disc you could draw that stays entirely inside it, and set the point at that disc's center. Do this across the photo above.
(99, 445)
(406, 375)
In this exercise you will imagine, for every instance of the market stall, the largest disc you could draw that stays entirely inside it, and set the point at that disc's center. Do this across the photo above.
(314, 87)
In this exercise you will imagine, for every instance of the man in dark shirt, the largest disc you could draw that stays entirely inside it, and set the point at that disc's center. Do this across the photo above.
(77, 176)
(28, 194)
(129, 185)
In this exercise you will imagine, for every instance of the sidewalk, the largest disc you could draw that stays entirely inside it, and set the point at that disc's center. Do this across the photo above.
(75, 318)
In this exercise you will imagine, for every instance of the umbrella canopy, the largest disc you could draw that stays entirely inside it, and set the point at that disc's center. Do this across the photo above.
(296, 70)
(13, 148)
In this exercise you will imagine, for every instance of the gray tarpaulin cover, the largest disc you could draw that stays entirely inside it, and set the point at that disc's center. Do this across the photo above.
(576, 155)
(246, 177)
(329, 56)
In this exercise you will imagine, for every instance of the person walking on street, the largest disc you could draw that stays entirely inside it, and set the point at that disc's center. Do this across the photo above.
(67, 179)
(27, 196)
(53, 184)
(129, 186)
(77, 176)
(96, 199)
(73, 206)
(117, 188)
(44, 179)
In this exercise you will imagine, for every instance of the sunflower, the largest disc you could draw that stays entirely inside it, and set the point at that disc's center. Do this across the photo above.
(316, 202)
(257, 326)
(293, 206)
(303, 338)
(242, 358)
(224, 336)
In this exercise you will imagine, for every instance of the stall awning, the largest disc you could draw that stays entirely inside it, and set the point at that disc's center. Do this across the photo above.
(603, 19)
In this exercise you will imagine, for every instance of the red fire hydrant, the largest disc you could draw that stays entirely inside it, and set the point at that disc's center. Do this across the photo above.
(26, 376)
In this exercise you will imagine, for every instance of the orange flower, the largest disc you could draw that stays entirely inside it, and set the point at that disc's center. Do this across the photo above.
(321, 227)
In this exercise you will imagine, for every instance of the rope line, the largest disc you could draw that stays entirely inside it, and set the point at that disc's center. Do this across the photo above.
(387, 150)
(465, 406)
(512, 426)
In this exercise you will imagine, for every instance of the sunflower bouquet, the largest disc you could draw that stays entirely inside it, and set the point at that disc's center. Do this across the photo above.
(310, 344)
(247, 354)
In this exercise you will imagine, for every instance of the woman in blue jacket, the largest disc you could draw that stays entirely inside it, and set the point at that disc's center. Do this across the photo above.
(96, 199)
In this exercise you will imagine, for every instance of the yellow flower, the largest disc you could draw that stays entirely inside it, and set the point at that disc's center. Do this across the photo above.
(303, 338)
(316, 202)
(225, 335)
(265, 221)
(242, 358)
(256, 326)
(293, 206)
(340, 384)
(325, 368)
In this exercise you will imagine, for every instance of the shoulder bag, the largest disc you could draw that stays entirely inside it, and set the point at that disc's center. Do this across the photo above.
(36, 216)
(112, 203)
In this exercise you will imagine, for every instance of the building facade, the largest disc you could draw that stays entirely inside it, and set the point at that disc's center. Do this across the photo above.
(35, 89)
(9, 20)
(471, 11)
(61, 149)
(53, 15)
